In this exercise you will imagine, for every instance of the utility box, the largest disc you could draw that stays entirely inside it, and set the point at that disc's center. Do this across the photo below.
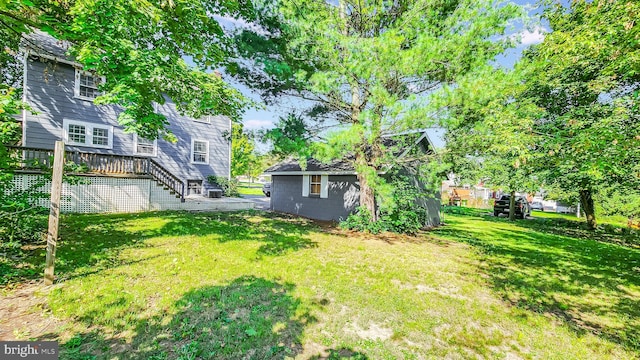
(216, 194)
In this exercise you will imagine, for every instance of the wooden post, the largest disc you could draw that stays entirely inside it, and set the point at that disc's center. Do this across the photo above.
(54, 211)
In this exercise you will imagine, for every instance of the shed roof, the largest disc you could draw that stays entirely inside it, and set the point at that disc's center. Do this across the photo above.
(292, 166)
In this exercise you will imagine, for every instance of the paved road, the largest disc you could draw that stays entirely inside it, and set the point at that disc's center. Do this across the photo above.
(261, 202)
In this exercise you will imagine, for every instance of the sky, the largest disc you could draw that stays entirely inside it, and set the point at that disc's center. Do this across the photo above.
(265, 118)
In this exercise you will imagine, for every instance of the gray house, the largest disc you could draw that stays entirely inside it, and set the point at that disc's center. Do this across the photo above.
(331, 191)
(61, 95)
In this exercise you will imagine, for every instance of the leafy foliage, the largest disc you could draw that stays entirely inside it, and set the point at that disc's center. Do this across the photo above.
(139, 48)
(403, 212)
(290, 137)
(228, 187)
(21, 219)
(565, 118)
(590, 130)
(489, 137)
(354, 63)
(243, 156)
(21, 215)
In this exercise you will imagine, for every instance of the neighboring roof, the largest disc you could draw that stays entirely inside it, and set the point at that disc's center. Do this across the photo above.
(292, 166)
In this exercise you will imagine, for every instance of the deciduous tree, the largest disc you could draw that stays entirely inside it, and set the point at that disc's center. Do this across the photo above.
(489, 134)
(586, 77)
(139, 47)
(243, 157)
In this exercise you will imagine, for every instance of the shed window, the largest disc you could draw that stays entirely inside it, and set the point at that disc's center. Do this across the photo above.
(315, 183)
(315, 186)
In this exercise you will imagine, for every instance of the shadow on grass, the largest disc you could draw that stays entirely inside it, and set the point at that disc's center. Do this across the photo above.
(591, 285)
(250, 318)
(91, 243)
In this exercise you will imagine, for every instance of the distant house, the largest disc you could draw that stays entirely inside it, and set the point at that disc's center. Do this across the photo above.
(61, 96)
(328, 191)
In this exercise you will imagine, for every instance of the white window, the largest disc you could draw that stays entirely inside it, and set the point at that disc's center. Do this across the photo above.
(199, 151)
(86, 86)
(194, 187)
(315, 186)
(82, 133)
(144, 146)
(204, 119)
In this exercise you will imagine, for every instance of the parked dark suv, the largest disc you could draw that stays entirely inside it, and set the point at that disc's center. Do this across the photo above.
(502, 206)
(266, 189)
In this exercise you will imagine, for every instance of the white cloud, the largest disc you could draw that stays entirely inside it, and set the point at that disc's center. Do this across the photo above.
(528, 37)
(257, 124)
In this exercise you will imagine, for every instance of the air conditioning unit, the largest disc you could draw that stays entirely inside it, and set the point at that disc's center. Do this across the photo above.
(216, 194)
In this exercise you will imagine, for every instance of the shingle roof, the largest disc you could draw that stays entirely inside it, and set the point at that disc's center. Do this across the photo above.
(292, 165)
(46, 44)
(345, 165)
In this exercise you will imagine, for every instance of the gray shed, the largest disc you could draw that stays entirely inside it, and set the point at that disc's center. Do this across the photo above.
(328, 191)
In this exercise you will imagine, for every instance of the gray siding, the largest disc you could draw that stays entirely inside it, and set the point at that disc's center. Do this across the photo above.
(50, 92)
(343, 199)
(286, 196)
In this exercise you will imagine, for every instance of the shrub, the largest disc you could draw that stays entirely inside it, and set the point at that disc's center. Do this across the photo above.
(402, 214)
(228, 187)
(22, 218)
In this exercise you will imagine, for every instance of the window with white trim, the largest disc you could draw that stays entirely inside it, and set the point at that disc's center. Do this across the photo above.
(82, 133)
(204, 119)
(145, 146)
(199, 151)
(315, 186)
(194, 187)
(315, 183)
(86, 85)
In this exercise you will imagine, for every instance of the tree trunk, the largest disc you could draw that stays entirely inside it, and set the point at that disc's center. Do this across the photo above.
(586, 200)
(367, 197)
(512, 206)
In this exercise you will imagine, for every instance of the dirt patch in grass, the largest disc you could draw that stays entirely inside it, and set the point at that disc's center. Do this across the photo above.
(24, 314)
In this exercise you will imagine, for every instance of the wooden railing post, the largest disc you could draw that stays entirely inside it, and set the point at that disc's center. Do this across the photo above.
(54, 211)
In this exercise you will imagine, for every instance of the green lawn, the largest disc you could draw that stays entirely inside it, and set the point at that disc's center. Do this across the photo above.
(259, 286)
(245, 188)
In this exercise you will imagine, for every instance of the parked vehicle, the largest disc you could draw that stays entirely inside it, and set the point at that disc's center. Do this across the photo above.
(266, 189)
(536, 205)
(502, 206)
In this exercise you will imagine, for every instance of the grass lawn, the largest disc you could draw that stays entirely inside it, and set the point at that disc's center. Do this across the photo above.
(245, 188)
(260, 286)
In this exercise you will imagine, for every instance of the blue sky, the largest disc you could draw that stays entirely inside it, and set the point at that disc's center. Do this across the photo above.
(255, 119)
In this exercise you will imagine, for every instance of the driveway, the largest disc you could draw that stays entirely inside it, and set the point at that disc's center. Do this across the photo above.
(261, 202)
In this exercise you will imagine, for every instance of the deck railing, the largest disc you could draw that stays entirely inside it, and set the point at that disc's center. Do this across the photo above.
(35, 159)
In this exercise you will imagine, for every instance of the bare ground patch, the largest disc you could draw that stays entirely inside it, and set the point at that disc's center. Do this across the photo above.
(24, 314)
